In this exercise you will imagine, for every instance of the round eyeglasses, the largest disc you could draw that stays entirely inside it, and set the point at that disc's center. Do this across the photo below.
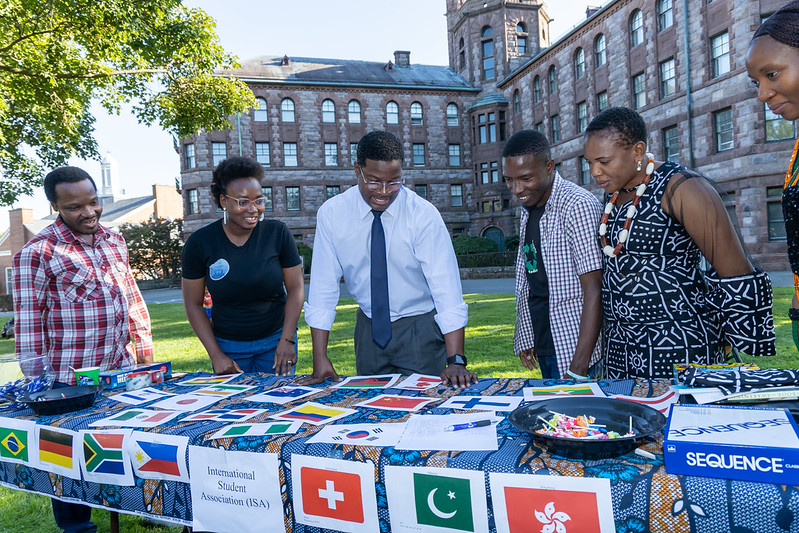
(389, 186)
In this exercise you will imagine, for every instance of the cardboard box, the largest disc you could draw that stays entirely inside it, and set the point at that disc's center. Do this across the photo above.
(114, 379)
(732, 442)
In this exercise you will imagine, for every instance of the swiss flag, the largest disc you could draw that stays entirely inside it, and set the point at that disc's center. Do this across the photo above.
(332, 494)
(535, 510)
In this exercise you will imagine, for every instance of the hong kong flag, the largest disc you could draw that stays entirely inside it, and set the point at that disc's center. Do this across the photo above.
(533, 510)
(332, 494)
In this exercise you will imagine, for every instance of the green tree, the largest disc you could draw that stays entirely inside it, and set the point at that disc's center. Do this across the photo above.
(154, 248)
(57, 56)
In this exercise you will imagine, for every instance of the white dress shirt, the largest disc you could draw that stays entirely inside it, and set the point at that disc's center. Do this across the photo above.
(422, 270)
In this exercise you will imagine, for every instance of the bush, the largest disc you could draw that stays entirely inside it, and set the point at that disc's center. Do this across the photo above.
(468, 244)
(493, 259)
(512, 242)
(306, 253)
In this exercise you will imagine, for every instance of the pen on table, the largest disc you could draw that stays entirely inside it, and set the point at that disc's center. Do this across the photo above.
(478, 424)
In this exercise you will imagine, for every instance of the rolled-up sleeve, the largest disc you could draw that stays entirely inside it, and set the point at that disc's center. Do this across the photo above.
(323, 293)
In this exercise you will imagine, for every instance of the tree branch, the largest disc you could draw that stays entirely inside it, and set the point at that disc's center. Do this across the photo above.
(78, 75)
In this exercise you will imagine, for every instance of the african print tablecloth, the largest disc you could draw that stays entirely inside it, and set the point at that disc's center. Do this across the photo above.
(645, 498)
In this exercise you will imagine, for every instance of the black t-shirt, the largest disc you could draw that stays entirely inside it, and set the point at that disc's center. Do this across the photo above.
(538, 299)
(245, 282)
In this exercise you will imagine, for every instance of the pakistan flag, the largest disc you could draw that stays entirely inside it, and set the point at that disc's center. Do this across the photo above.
(443, 501)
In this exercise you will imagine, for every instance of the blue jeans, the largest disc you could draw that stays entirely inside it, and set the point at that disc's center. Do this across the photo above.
(549, 366)
(257, 355)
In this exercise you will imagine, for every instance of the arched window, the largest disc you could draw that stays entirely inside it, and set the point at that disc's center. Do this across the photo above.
(392, 113)
(553, 79)
(517, 101)
(287, 110)
(259, 114)
(579, 63)
(537, 89)
(600, 53)
(462, 56)
(328, 111)
(636, 28)
(354, 112)
(452, 114)
(417, 115)
(488, 53)
(521, 39)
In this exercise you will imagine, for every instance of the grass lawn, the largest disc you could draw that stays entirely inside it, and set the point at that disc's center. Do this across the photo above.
(489, 347)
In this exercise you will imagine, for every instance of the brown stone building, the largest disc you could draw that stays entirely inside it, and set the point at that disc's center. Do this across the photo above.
(504, 74)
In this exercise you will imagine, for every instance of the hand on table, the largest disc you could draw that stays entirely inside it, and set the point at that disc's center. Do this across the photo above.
(528, 358)
(224, 365)
(321, 372)
(458, 376)
(284, 358)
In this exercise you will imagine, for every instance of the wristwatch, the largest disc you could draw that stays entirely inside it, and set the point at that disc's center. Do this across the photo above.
(457, 359)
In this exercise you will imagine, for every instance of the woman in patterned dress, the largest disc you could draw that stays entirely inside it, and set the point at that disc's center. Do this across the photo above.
(660, 218)
(773, 65)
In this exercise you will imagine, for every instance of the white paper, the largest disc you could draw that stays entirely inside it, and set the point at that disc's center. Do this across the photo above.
(532, 394)
(256, 430)
(392, 402)
(61, 458)
(186, 402)
(283, 395)
(137, 418)
(378, 381)
(224, 390)
(141, 396)
(224, 415)
(385, 434)
(418, 382)
(483, 403)
(428, 432)
(104, 456)
(158, 455)
(660, 403)
(314, 413)
(235, 491)
(208, 380)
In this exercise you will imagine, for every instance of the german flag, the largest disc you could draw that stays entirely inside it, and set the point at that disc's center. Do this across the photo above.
(55, 448)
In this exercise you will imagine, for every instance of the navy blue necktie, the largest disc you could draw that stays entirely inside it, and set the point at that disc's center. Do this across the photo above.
(381, 316)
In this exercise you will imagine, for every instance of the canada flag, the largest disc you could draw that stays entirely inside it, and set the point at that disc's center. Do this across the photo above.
(550, 511)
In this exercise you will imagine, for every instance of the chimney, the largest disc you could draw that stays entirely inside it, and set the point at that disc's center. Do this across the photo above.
(402, 58)
(285, 61)
(590, 10)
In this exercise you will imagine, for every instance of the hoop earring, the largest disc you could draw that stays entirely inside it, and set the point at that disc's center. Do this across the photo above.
(261, 218)
(224, 215)
(638, 168)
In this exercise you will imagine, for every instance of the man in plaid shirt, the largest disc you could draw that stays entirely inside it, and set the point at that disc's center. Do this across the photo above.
(76, 303)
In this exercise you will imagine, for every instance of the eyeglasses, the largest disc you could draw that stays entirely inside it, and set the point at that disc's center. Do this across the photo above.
(390, 186)
(244, 203)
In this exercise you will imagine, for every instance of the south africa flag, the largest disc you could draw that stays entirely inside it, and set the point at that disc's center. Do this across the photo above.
(13, 444)
(103, 453)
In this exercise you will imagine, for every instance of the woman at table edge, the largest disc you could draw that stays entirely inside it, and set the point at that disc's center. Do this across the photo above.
(773, 65)
(245, 262)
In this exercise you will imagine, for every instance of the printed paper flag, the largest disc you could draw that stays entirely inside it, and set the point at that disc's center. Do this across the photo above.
(314, 413)
(283, 395)
(483, 403)
(396, 403)
(256, 430)
(334, 494)
(385, 434)
(368, 382)
(209, 380)
(526, 503)
(186, 402)
(225, 415)
(436, 499)
(661, 403)
(58, 452)
(418, 382)
(223, 391)
(158, 456)
(103, 457)
(17, 444)
(137, 418)
(140, 396)
(558, 391)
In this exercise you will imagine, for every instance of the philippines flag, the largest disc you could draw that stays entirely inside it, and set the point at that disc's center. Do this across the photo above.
(156, 456)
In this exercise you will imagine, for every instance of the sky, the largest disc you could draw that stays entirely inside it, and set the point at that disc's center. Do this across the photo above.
(369, 30)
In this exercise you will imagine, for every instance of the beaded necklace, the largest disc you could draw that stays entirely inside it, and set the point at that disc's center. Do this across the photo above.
(792, 176)
(609, 250)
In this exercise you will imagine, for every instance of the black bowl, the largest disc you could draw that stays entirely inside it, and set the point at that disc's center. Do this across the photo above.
(63, 400)
(614, 414)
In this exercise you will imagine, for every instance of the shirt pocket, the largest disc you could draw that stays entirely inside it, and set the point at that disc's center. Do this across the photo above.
(78, 285)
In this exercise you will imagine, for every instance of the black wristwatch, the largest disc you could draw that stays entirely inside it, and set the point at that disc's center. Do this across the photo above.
(457, 359)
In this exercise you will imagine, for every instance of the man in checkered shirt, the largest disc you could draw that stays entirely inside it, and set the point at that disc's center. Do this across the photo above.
(559, 264)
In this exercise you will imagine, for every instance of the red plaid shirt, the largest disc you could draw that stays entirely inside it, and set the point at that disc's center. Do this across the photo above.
(77, 303)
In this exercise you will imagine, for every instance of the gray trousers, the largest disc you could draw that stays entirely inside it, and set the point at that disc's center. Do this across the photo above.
(417, 345)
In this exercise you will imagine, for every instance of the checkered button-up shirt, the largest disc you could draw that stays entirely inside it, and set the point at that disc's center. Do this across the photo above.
(77, 304)
(569, 249)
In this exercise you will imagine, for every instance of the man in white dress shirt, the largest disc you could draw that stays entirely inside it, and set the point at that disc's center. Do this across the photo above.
(418, 323)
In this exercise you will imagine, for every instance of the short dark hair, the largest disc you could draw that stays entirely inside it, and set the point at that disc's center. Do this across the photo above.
(782, 26)
(627, 125)
(64, 175)
(234, 168)
(379, 146)
(528, 142)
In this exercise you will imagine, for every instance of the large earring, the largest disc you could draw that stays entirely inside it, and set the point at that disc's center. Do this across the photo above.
(261, 218)
(224, 214)
(638, 168)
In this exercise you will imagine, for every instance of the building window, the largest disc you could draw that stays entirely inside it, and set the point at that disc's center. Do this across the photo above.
(292, 198)
(354, 112)
(776, 220)
(331, 191)
(194, 204)
(521, 39)
(553, 80)
(486, 207)
(723, 127)
(331, 155)
(328, 112)
(671, 144)
(456, 195)
(484, 173)
(539, 127)
(494, 172)
(417, 115)
(218, 152)
(585, 171)
(720, 53)
(636, 28)
(600, 53)
(421, 190)
(287, 110)
(554, 128)
(262, 154)
(777, 128)
(290, 154)
(191, 162)
(601, 101)
(582, 117)
(462, 56)
(579, 64)
(418, 154)
(665, 14)
(259, 114)
(537, 89)
(668, 82)
(392, 113)
(353, 152)
(452, 114)
(454, 155)
(517, 101)
(639, 91)
(492, 128)
(267, 192)
(488, 53)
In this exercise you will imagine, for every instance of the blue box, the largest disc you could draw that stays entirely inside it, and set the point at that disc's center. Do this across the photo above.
(114, 379)
(732, 442)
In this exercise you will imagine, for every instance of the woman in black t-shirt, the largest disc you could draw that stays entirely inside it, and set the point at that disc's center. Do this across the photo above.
(245, 262)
